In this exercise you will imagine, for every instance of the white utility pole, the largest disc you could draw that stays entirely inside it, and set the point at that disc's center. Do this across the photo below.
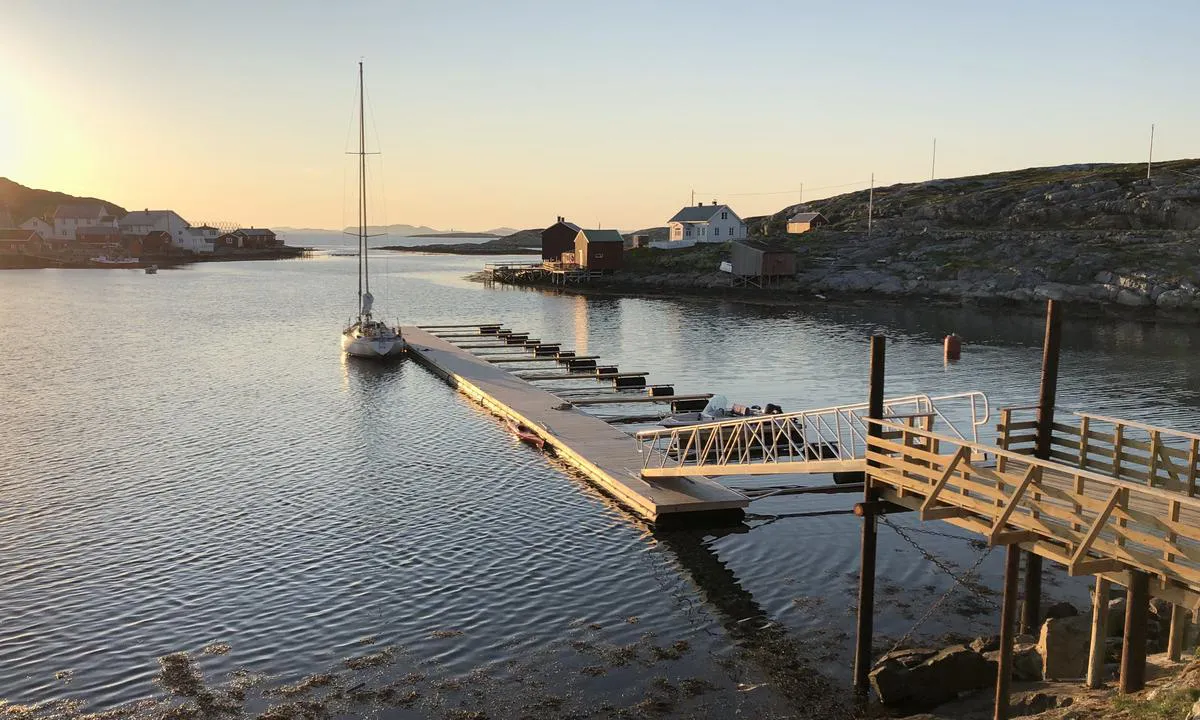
(801, 193)
(871, 204)
(1151, 159)
(933, 165)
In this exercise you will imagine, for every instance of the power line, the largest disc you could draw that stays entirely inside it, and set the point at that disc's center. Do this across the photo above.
(784, 192)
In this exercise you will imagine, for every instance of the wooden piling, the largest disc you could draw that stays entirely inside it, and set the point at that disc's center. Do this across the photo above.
(1095, 669)
(1175, 640)
(866, 571)
(1008, 612)
(1133, 654)
(1047, 395)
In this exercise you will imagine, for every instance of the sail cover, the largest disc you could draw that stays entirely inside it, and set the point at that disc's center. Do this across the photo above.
(367, 301)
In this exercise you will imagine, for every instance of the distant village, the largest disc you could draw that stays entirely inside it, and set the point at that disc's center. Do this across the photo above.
(82, 233)
(571, 253)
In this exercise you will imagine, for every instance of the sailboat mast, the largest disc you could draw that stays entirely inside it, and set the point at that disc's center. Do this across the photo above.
(364, 271)
(360, 185)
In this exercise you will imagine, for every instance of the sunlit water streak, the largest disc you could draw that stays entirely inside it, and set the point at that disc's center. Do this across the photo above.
(187, 458)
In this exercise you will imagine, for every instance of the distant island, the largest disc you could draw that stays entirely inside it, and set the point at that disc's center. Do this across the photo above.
(457, 235)
(521, 242)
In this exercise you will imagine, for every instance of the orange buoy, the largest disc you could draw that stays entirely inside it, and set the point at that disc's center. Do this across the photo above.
(953, 347)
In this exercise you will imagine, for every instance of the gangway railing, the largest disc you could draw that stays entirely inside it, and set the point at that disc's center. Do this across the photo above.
(832, 439)
(1091, 522)
(1125, 449)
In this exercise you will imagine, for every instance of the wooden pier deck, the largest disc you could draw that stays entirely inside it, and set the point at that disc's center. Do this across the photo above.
(607, 456)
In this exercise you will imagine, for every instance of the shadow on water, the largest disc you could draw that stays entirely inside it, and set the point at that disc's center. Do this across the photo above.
(789, 664)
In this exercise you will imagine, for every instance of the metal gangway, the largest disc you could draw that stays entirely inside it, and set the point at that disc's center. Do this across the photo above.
(825, 440)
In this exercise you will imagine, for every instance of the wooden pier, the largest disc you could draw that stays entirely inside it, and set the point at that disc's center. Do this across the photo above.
(608, 457)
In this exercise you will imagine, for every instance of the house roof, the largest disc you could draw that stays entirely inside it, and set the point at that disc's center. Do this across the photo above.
(568, 224)
(765, 245)
(601, 236)
(18, 234)
(89, 211)
(696, 213)
(255, 231)
(147, 217)
(806, 217)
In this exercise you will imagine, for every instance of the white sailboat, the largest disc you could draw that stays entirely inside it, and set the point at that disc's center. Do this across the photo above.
(365, 336)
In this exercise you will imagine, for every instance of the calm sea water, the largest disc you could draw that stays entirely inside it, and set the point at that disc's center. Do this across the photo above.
(187, 459)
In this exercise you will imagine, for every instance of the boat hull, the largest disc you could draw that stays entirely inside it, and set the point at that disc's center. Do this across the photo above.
(372, 348)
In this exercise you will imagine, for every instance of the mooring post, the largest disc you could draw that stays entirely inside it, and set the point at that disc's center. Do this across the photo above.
(1051, 348)
(1179, 620)
(1008, 615)
(1095, 670)
(866, 570)
(1133, 654)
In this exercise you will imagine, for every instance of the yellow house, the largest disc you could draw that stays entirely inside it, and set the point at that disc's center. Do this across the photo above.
(803, 222)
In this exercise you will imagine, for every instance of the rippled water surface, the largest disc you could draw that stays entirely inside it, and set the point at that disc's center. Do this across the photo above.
(188, 459)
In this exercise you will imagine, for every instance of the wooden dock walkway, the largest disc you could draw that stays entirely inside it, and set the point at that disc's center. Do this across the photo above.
(607, 456)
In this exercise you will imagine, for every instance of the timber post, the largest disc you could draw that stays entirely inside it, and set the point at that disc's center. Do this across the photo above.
(1047, 394)
(1008, 612)
(866, 571)
(1095, 669)
(1133, 652)
(1179, 620)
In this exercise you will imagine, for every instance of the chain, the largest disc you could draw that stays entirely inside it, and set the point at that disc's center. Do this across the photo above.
(947, 535)
(938, 603)
(962, 581)
(941, 565)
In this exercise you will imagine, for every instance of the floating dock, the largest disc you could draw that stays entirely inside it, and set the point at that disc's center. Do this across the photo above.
(608, 457)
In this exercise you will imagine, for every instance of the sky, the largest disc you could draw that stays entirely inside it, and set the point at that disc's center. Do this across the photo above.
(610, 113)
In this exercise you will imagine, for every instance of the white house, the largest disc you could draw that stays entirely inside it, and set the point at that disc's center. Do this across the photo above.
(705, 224)
(202, 238)
(40, 226)
(69, 218)
(143, 222)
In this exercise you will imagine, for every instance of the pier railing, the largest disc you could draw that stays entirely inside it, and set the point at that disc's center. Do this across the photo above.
(832, 439)
(1124, 449)
(1088, 521)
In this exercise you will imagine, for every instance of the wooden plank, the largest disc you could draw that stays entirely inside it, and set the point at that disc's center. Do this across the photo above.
(1083, 441)
(1193, 457)
(1032, 475)
(1063, 428)
(947, 473)
(1099, 644)
(1093, 532)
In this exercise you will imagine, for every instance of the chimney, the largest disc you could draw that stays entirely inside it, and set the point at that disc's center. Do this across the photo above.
(714, 203)
(700, 204)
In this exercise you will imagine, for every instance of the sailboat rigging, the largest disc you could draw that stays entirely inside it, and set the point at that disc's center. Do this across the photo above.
(365, 336)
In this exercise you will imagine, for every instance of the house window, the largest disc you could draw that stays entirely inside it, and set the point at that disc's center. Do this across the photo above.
(724, 215)
(731, 232)
(689, 232)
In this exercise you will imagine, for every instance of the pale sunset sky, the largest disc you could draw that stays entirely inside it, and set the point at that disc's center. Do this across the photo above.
(510, 113)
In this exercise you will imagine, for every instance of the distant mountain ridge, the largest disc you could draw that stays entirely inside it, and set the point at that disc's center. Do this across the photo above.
(25, 202)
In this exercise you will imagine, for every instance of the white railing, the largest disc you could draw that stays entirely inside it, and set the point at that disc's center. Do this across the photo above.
(831, 439)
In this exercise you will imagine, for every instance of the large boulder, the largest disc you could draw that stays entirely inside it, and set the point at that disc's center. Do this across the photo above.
(938, 679)
(1027, 662)
(1063, 645)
